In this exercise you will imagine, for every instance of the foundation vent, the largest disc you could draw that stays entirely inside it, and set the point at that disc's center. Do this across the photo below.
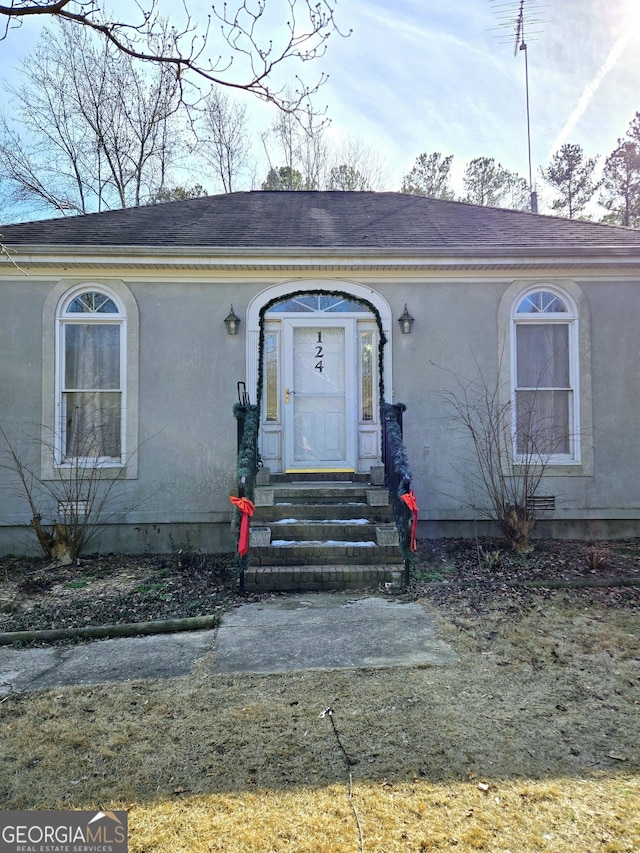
(541, 503)
(72, 509)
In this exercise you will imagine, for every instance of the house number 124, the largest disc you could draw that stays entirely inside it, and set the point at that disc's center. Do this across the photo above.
(319, 354)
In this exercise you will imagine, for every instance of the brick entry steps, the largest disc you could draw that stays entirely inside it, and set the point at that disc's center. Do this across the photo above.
(322, 535)
(317, 578)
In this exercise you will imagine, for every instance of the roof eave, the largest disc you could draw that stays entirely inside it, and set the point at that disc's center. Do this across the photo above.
(349, 257)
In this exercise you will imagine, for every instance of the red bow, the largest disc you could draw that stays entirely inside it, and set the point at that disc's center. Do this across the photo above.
(410, 499)
(246, 507)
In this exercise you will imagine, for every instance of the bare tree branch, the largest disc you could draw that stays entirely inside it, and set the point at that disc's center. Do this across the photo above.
(5, 253)
(226, 138)
(245, 35)
(90, 128)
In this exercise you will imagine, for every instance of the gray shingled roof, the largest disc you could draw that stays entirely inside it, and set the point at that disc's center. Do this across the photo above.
(280, 220)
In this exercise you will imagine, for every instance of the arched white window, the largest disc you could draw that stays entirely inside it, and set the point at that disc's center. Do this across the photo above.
(545, 376)
(90, 374)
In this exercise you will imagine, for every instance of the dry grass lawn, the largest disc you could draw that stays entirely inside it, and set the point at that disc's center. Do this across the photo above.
(529, 743)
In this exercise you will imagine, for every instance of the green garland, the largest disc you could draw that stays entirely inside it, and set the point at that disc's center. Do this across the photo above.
(401, 466)
(247, 452)
(342, 294)
(400, 460)
(247, 459)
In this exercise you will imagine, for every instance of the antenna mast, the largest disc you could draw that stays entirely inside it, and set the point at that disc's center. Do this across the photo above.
(506, 11)
(520, 44)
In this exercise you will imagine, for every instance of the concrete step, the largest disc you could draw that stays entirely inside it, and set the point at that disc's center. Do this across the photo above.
(350, 530)
(322, 535)
(321, 493)
(324, 553)
(318, 477)
(315, 511)
(322, 577)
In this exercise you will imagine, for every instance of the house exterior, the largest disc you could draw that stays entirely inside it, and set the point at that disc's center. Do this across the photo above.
(114, 350)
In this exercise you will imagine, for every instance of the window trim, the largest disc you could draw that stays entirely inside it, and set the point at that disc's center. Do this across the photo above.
(511, 293)
(568, 318)
(54, 315)
(64, 319)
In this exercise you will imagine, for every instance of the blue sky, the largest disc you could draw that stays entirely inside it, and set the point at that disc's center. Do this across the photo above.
(421, 75)
(431, 75)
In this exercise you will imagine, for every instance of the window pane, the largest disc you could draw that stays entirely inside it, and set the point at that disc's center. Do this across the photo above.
(298, 305)
(346, 306)
(92, 303)
(542, 355)
(304, 303)
(366, 375)
(271, 375)
(542, 302)
(92, 356)
(543, 422)
(92, 425)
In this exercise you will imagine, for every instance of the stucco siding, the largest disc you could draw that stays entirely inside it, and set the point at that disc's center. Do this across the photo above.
(188, 368)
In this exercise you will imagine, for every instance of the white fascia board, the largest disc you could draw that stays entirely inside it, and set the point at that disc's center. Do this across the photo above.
(276, 259)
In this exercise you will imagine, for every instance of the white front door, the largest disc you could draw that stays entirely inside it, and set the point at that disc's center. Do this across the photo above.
(320, 418)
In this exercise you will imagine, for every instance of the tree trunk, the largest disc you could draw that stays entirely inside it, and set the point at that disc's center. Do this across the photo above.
(61, 545)
(517, 527)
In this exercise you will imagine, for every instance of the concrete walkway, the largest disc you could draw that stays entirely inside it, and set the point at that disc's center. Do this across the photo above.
(327, 631)
(282, 634)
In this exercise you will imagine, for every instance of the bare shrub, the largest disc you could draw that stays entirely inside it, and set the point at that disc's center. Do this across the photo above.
(489, 559)
(511, 456)
(598, 558)
(68, 511)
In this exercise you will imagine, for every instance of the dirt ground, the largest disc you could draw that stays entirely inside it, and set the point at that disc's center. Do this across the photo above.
(112, 589)
(530, 742)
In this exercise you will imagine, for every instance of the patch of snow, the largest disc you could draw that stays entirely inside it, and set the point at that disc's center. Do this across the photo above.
(321, 521)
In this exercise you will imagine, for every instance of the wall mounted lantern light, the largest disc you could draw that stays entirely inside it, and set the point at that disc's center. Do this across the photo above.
(232, 322)
(406, 321)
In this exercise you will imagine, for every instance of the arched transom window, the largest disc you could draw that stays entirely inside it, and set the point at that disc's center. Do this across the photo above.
(545, 376)
(323, 302)
(90, 378)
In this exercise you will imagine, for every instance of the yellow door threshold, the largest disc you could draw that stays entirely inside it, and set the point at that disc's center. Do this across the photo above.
(320, 471)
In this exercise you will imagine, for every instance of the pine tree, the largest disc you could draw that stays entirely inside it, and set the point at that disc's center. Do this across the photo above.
(570, 174)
